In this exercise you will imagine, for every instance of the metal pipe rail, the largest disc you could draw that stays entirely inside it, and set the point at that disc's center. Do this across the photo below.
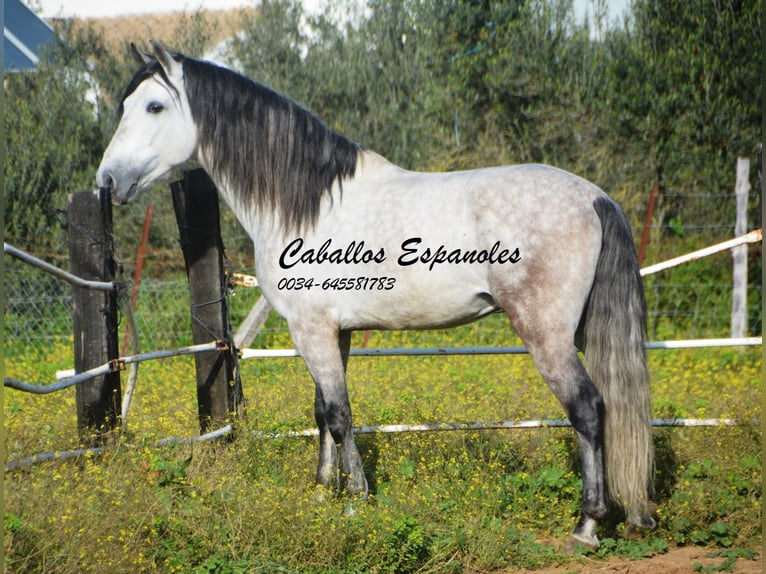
(517, 350)
(497, 425)
(67, 454)
(371, 429)
(119, 364)
(60, 273)
(111, 366)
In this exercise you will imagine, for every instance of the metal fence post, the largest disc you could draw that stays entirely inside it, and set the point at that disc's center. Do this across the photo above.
(219, 389)
(91, 256)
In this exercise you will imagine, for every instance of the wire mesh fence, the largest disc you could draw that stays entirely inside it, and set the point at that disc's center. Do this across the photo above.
(679, 215)
(38, 309)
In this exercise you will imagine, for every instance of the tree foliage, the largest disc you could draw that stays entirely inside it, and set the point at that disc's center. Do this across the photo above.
(52, 142)
(58, 120)
(670, 96)
(683, 88)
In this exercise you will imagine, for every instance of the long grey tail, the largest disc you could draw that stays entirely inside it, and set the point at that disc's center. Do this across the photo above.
(614, 331)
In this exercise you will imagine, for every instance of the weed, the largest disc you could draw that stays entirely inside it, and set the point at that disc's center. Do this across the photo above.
(632, 549)
(406, 545)
(440, 502)
(729, 562)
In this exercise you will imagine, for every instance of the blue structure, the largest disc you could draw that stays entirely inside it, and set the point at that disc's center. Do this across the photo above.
(24, 36)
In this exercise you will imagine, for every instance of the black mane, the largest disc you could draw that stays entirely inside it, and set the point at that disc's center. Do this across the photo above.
(266, 147)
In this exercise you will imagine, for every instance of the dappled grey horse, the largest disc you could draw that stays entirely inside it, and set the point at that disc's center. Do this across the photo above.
(345, 240)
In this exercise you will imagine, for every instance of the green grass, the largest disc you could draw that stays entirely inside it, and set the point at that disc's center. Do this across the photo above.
(442, 502)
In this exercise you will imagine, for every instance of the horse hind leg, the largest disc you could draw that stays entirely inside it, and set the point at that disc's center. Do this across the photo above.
(551, 345)
(565, 375)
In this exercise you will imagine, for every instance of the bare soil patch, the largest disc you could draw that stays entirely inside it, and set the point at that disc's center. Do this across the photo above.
(683, 560)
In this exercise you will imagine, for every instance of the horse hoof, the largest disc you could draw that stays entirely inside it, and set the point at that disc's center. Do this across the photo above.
(642, 523)
(583, 535)
(636, 529)
(577, 541)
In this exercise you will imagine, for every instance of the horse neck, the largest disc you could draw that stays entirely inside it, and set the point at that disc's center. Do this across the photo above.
(255, 221)
(255, 217)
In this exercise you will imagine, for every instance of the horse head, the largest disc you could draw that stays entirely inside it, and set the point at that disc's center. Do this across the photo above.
(156, 132)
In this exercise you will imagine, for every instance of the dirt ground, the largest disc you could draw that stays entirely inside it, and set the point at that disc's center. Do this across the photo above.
(675, 561)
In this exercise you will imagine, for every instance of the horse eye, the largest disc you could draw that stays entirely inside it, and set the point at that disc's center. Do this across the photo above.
(154, 107)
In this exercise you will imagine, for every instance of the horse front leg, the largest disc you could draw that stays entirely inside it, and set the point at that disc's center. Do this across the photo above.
(325, 352)
(350, 459)
(337, 434)
(327, 469)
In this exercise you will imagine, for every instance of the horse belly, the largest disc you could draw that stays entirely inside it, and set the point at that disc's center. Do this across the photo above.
(424, 306)
(380, 298)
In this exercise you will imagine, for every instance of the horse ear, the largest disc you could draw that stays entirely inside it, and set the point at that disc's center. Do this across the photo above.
(167, 60)
(138, 55)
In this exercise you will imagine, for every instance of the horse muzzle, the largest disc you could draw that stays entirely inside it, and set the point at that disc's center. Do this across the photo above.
(126, 197)
(120, 196)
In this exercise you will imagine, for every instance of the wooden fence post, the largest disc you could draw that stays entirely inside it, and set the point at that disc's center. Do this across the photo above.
(219, 389)
(91, 256)
(739, 254)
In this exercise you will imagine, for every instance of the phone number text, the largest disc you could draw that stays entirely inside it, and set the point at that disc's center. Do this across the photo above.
(337, 284)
